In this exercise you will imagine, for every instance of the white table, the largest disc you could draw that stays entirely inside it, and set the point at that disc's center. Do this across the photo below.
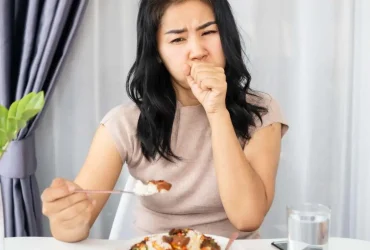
(46, 243)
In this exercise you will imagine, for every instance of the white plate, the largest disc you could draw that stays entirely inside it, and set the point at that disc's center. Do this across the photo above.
(222, 241)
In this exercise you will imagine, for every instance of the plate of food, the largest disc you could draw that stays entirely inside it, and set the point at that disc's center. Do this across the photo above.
(181, 239)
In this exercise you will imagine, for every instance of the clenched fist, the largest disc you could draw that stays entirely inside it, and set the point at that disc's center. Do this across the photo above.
(208, 84)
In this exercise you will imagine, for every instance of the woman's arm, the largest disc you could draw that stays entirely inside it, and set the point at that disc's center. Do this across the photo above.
(101, 169)
(70, 214)
(246, 178)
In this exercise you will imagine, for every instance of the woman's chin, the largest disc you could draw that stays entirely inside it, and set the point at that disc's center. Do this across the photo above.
(181, 85)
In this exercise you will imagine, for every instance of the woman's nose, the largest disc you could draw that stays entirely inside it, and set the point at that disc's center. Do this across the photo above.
(197, 50)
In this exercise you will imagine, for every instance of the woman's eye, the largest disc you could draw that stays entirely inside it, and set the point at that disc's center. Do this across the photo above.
(209, 32)
(177, 40)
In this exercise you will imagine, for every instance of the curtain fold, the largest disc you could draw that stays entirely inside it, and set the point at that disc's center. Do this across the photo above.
(34, 38)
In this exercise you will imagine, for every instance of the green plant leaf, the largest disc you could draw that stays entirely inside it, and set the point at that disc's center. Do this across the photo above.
(23, 104)
(36, 102)
(14, 119)
(3, 138)
(34, 106)
(3, 117)
(28, 114)
(13, 109)
(12, 128)
(21, 124)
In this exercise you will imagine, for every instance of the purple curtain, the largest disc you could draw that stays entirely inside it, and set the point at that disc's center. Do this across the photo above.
(34, 38)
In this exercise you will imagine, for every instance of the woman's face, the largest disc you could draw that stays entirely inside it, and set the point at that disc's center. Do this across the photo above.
(188, 32)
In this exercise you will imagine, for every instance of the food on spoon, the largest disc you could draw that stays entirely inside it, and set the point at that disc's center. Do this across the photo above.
(151, 187)
(162, 185)
(178, 239)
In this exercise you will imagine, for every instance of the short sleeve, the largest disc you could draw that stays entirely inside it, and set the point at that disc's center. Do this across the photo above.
(119, 122)
(274, 114)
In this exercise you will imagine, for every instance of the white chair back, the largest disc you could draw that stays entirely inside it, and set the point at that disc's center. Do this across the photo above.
(122, 227)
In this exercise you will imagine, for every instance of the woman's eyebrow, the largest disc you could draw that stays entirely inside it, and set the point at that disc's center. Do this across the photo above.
(179, 31)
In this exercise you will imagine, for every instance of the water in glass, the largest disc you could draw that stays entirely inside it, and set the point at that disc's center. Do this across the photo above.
(308, 227)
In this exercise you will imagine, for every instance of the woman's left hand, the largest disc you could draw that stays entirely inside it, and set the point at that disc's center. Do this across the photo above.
(208, 84)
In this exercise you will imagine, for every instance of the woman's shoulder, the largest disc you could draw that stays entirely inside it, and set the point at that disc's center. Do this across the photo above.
(122, 119)
(121, 123)
(260, 99)
(127, 113)
(274, 111)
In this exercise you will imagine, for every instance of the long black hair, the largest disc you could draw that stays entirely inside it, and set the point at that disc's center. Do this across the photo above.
(149, 83)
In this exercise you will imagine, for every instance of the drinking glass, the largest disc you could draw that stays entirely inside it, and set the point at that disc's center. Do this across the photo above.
(308, 227)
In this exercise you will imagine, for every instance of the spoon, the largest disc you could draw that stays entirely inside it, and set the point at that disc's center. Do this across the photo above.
(104, 191)
(232, 238)
(141, 189)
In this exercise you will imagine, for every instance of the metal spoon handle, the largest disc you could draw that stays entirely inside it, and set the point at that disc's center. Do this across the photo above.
(104, 191)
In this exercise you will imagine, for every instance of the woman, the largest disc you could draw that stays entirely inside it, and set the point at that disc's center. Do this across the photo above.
(195, 123)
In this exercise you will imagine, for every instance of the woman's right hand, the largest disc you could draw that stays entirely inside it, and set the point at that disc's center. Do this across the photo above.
(69, 212)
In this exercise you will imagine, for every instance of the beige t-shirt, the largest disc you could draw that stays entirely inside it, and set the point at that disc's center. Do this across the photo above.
(193, 200)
